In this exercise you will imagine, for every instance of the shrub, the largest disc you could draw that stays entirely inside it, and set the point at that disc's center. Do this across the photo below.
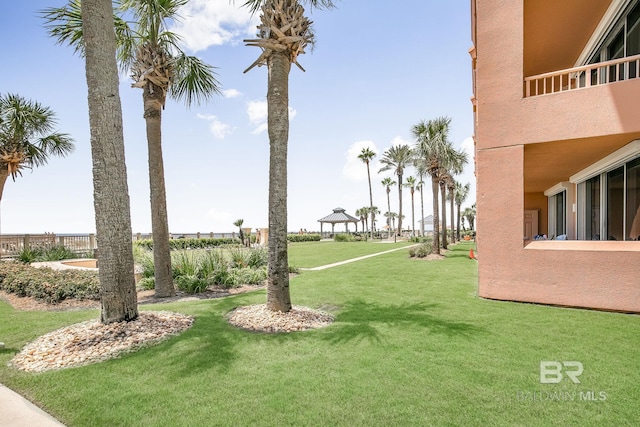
(303, 238)
(146, 284)
(178, 244)
(53, 253)
(343, 237)
(258, 257)
(421, 251)
(191, 284)
(48, 285)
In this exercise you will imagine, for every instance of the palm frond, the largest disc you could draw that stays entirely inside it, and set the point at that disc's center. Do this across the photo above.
(194, 80)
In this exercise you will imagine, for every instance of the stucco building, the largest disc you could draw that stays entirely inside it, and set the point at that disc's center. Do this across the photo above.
(557, 132)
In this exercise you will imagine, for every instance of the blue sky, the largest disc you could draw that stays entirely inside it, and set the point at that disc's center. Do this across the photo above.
(377, 69)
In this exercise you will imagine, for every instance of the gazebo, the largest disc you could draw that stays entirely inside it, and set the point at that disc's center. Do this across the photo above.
(337, 217)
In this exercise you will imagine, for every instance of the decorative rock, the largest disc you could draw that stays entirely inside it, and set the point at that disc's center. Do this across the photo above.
(91, 341)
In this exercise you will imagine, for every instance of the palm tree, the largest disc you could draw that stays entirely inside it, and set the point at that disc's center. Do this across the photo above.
(443, 177)
(397, 158)
(451, 187)
(432, 149)
(411, 184)
(391, 219)
(111, 195)
(366, 155)
(238, 223)
(470, 215)
(362, 214)
(283, 35)
(387, 183)
(461, 193)
(159, 67)
(27, 138)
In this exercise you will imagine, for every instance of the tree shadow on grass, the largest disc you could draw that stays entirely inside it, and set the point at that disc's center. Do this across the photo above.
(358, 319)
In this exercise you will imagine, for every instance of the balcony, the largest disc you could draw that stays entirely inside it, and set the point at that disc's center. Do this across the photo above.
(583, 77)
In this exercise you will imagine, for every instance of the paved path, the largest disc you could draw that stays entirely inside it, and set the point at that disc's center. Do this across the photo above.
(335, 264)
(16, 411)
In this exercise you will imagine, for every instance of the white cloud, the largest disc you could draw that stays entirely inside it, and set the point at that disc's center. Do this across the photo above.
(354, 169)
(217, 128)
(468, 147)
(231, 93)
(208, 23)
(257, 111)
(398, 140)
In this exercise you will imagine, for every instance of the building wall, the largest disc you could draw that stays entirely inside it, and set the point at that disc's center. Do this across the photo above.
(586, 274)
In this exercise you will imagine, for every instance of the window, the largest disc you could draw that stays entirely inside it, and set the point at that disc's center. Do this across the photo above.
(621, 39)
(609, 197)
(558, 214)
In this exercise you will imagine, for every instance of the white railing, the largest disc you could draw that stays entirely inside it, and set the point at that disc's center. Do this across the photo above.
(583, 77)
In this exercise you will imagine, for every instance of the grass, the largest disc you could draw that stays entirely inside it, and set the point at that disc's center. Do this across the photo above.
(315, 254)
(411, 345)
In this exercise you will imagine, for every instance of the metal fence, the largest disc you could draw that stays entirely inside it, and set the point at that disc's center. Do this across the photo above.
(13, 244)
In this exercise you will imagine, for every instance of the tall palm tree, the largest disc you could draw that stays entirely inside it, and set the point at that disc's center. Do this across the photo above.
(452, 164)
(284, 33)
(110, 192)
(461, 193)
(432, 148)
(451, 190)
(366, 155)
(411, 185)
(27, 136)
(159, 67)
(421, 171)
(387, 183)
(397, 158)
(391, 219)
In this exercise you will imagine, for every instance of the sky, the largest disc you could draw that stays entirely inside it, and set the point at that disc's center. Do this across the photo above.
(377, 69)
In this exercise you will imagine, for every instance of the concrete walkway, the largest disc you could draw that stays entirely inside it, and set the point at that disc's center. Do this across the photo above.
(335, 264)
(16, 411)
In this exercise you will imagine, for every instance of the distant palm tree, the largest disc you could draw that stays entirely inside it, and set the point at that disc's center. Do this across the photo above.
(387, 183)
(159, 67)
(421, 171)
(362, 214)
(27, 138)
(470, 215)
(411, 185)
(366, 155)
(238, 223)
(391, 218)
(397, 158)
(432, 150)
(461, 193)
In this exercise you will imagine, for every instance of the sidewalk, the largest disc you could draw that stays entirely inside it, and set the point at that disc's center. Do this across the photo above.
(16, 411)
(335, 264)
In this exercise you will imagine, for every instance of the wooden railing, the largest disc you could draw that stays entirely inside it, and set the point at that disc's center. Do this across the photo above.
(583, 77)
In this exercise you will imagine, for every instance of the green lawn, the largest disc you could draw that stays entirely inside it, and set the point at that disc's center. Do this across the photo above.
(315, 254)
(411, 345)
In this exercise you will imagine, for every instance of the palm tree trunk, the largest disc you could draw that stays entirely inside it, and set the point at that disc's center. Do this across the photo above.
(153, 98)
(422, 210)
(118, 296)
(278, 297)
(4, 174)
(389, 211)
(400, 204)
(458, 224)
(453, 236)
(443, 194)
(413, 221)
(370, 199)
(436, 218)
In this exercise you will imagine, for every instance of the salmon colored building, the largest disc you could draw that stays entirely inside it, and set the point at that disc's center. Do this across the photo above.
(557, 132)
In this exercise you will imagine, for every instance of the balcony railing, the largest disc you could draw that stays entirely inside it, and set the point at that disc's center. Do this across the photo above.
(583, 77)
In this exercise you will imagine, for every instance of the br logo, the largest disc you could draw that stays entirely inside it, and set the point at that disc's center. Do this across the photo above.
(551, 372)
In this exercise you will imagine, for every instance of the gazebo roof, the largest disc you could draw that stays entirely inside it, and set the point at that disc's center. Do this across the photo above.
(339, 216)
